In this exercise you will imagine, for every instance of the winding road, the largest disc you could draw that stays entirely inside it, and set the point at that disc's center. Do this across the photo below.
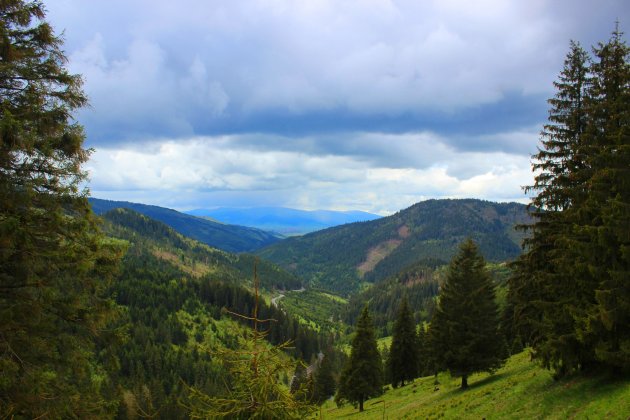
(274, 301)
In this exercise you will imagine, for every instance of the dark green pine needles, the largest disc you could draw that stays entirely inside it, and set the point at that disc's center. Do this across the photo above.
(362, 377)
(404, 352)
(464, 328)
(570, 292)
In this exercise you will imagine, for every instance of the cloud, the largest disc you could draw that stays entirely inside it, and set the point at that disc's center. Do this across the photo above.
(200, 68)
(369, 104)
(219, 171)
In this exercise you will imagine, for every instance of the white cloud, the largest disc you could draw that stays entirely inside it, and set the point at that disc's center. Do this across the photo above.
(219, 171)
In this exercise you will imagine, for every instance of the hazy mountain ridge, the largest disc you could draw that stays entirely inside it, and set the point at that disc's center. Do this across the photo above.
(340, 258)
(193, 256)
(226, 237)
(283, 220)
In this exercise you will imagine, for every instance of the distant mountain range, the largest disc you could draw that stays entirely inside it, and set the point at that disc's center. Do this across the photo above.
(283, 220)
(342, 257)
(226, 237)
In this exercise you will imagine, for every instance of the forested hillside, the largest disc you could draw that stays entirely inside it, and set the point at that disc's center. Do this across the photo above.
(342, 257)
(442, 310)
(229, 238)
(174, 291)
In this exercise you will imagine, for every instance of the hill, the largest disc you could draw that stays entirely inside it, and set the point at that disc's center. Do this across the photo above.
(519, 390)
(192, 257)
(173, 291)
(342, 257)
(284, 220)
(226, 237)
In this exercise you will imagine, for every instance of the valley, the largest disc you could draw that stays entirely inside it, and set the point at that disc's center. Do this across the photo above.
(231, 238)
(326, 311)
(285, 221)
(178, 295)
(437, 295)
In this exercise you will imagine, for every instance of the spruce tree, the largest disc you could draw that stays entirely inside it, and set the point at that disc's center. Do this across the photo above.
(601, 237)
(387, 367)
(464, 327)
(362, 377)
(570, 295)
(54, 263)
(325, 384)
(403, 353)
(543, 295)
(424, 365)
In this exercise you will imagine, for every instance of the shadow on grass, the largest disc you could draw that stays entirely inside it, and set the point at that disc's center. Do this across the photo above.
(474, 385)
(487, 380)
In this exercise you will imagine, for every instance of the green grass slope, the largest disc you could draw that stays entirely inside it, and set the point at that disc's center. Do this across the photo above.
(229, 238)
(341, 258)
(520, 390)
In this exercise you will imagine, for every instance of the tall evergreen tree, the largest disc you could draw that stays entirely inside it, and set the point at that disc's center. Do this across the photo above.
(424, 357)
(543, 297)
(300, 378)
(54, 263)
(602, 228)
(362, 377)
(403, 353)
(325, 385)
(570, 288)
(465, 325)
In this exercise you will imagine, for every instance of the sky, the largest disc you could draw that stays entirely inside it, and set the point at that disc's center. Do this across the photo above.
(367, 105)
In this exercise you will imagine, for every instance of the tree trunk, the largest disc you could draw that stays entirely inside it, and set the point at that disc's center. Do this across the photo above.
(464, 381)
(360, 404)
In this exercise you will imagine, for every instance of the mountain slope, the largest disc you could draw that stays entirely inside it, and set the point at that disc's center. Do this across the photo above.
(173, 292)
(519, 390)
(190, 256)
(340, 258)
(226, 237)
(284, 220)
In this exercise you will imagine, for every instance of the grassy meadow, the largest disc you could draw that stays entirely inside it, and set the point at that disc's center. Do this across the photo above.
(519, 390)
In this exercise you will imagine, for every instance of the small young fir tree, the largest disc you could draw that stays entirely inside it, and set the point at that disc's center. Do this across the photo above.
(464, 329)
(404, 352)
(362, 377)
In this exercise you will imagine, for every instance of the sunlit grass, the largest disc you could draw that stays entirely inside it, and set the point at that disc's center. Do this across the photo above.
(520, 390)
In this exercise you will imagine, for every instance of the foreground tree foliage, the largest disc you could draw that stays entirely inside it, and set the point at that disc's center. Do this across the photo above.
(362, 377)
(570, 294)
(465, 328)
(546, 298)
(54, 263)
(256, 391)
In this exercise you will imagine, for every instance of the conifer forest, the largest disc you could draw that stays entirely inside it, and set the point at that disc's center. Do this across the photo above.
(450, 307)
